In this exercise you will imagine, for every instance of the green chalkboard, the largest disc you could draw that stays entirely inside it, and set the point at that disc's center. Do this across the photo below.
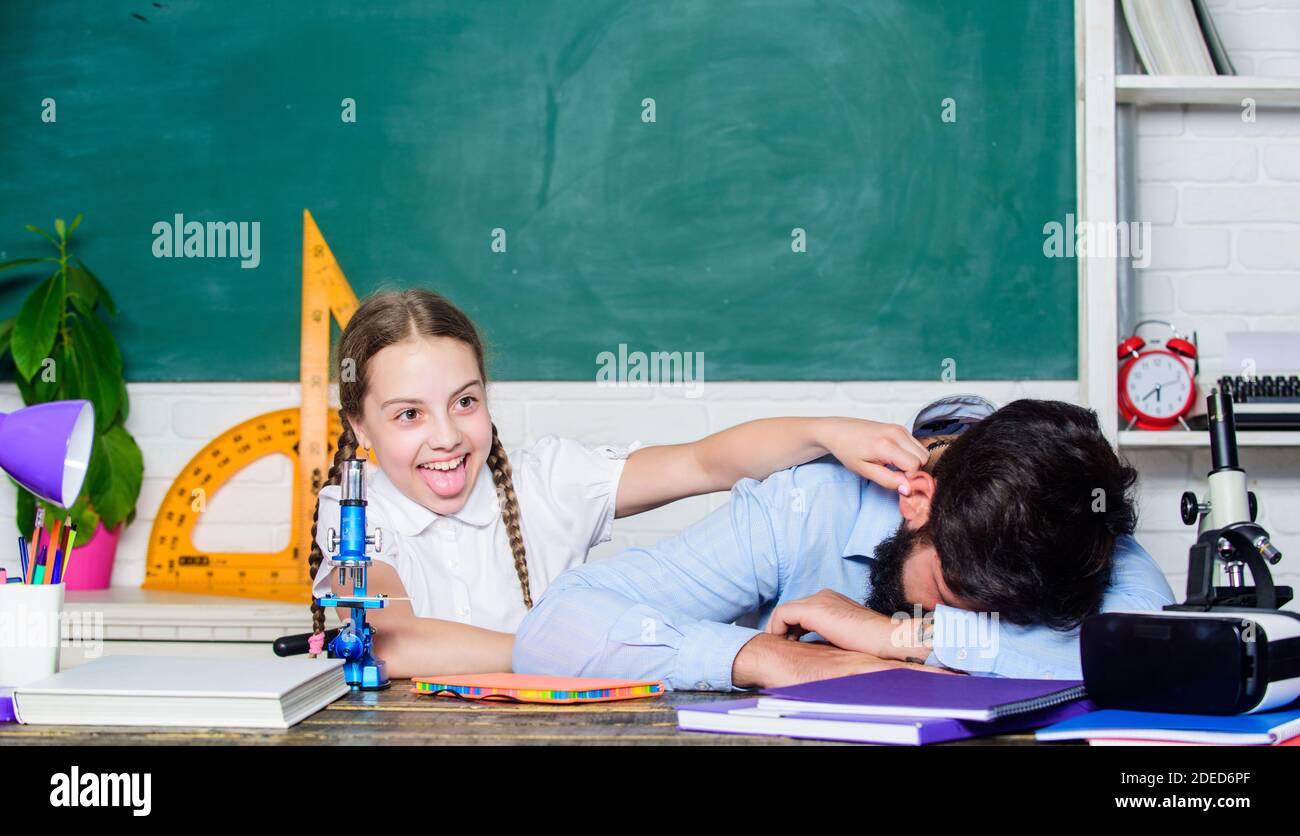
(924, 237)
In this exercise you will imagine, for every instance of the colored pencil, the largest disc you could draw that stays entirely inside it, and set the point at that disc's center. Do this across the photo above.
(36, 543)
(60, 551)
(55, 537)
(38, 565)
(67, 554)
(38, 572)
(22, 554)
(51, 551)
(61, 554)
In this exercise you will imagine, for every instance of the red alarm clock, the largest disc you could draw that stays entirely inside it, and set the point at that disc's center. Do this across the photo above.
(1157, 385)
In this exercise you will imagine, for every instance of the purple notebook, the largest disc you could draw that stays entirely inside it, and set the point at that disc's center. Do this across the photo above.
(910, 693)
(745, 717)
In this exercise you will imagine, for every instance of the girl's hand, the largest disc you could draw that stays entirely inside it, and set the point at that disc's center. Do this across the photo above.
(869, 448)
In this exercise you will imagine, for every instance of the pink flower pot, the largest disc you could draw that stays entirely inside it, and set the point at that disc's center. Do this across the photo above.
(91, 566)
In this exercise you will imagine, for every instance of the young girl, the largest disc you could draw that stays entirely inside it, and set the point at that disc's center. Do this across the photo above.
(473, 536)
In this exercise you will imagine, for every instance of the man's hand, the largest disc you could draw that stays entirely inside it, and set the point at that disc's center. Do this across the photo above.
(848, 625)
(770, 662)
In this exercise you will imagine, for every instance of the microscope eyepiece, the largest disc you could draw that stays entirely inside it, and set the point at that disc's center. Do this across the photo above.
(1223, 431)
(352, 481)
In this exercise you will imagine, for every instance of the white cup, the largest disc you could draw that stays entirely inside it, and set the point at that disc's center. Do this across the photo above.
(30, 625)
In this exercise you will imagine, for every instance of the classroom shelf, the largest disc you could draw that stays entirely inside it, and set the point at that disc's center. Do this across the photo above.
(1200, 438)
(1102, 47)
(1210, 89)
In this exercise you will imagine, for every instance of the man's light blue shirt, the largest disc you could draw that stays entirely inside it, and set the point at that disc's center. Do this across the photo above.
(667, 612)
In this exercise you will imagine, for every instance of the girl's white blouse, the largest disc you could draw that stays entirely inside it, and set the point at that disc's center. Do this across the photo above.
(459, 567)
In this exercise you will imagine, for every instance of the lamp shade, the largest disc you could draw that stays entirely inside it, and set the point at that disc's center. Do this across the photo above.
(46, 448)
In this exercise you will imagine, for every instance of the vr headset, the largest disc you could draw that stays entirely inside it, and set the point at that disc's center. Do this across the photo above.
(1217, 662)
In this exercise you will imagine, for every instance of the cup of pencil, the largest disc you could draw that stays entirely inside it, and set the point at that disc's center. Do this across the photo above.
(31, 605)
(31, 621)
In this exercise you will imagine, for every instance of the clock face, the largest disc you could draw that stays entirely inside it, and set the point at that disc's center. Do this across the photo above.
(1159, 385)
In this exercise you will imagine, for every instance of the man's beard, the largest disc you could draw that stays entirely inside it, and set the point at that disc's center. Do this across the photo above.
(887, 594)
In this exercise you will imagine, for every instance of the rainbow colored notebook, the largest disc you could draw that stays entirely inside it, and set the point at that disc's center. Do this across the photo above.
(518, 687)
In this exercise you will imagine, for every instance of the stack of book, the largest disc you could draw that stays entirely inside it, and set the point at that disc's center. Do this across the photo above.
(1176, 37)
(183, 691)
(905, 707)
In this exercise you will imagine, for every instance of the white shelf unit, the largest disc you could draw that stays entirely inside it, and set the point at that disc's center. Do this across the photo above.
(1097, 92)
(1206, 90)
(1200, 438)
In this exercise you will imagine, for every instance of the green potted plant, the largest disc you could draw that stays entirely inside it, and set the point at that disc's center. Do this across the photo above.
(62, 349)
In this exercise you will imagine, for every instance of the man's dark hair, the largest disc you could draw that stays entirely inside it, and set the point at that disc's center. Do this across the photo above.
(1027, 506)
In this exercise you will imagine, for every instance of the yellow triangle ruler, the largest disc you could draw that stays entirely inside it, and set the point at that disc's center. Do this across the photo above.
(307, 435)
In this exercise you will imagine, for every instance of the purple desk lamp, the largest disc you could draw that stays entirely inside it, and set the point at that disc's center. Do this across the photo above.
(46, 448)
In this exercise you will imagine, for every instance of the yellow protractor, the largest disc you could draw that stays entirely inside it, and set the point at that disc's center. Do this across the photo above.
(175, 563)
(307, 434)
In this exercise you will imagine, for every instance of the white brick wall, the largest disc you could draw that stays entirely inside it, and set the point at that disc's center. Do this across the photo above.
(1224, 201)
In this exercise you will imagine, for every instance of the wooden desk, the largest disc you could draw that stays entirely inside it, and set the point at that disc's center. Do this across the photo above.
(398, 717)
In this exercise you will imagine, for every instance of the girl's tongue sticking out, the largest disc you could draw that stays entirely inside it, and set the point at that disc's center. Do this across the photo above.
(445, 478)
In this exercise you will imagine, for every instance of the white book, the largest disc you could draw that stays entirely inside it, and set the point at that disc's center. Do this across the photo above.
(183, 691)
(1174, 737)
(899, 730)
(1168, 37)
(1132, 741)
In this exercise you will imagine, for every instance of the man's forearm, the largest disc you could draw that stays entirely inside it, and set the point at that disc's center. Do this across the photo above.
(755, 661)
(768, 661)
(911, 640)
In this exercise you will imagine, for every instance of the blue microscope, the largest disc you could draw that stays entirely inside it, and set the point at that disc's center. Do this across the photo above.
(354, 641)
